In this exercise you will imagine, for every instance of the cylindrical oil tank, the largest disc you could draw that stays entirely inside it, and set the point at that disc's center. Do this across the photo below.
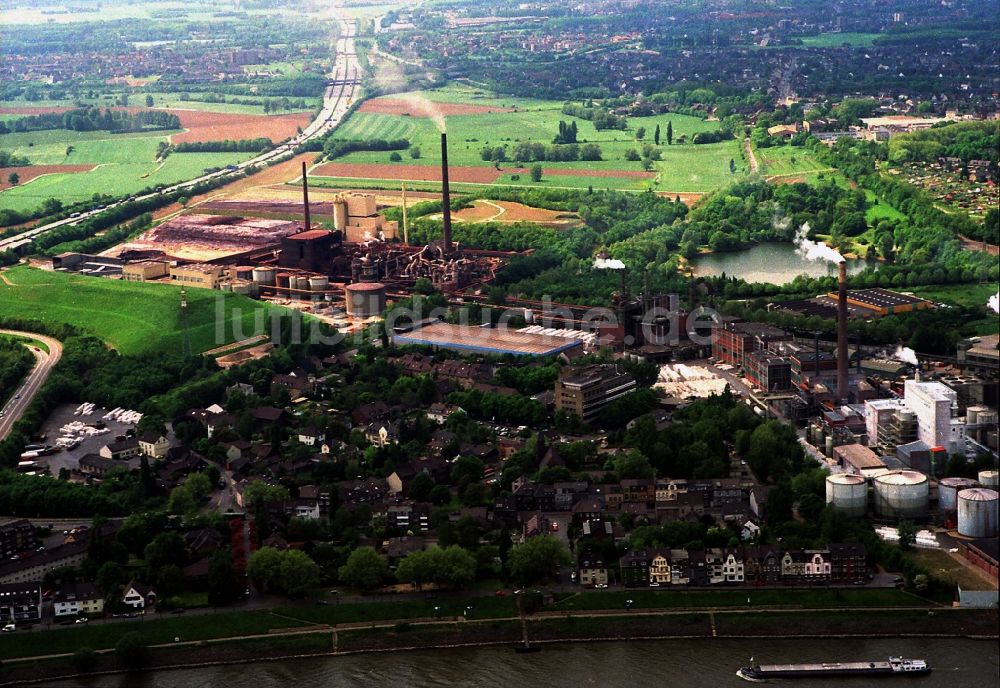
(241, 287)
(828, 446)
(319, 283)
(848, 493)
(987, 416)
(364, 299)
(282, 279)
(948, 489)
(972, 414)
(901, 494)
(990, 479)
(264, 276)
(977, 512)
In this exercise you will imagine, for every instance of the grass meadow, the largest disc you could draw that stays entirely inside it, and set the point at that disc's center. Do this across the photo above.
(133, 317)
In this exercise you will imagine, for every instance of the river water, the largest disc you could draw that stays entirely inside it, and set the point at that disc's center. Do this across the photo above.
(772, 263)
(701, 663)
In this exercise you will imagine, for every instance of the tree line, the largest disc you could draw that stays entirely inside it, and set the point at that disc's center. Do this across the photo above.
(601, 119)
(255, 145)
(533, 151)
(95, 119)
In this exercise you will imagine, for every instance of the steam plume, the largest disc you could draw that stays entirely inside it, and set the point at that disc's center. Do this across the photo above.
(994, 303)
(906, 355)
(814, 250)
(426, 108)
(608, 264)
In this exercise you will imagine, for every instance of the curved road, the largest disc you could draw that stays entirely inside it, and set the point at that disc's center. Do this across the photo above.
(33, 382)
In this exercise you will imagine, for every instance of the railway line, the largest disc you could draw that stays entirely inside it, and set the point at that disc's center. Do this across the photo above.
(342, 91)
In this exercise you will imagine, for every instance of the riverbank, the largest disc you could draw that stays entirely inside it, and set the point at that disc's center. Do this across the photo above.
(437, 634)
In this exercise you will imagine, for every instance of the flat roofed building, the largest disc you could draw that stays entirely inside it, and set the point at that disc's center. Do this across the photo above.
(20, 602)
(731, 342)
(585, 391)
(145, 270)
(883, 301)
(769, 372)
(486, 340)
(201, 275)
(857, 459)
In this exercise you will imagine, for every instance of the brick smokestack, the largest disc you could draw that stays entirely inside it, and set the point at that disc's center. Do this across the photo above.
(305, 196)
(445, 195)
(842, 332)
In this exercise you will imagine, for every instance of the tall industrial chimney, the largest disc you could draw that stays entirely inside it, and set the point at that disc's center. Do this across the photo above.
(406, 227)
(842, 332)
(816, 353)
(445, 194)
(305, 196)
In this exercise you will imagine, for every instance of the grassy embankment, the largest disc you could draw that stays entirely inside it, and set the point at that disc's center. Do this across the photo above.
(197, 627)
(132, 317)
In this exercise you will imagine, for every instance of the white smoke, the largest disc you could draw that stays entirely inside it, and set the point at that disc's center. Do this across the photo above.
(906, 355)
(814, 250)
(994, 303)
(608, 264)
(426, 108)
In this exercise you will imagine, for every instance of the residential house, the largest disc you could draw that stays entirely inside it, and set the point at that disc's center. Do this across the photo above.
(311, 436)
(382, 433)
(20, 602)
(659, 568)
(593, 570)
(96, 466)
(635, 567)
(15, 537)
(733, 567)
(153, 444)
(83, 599)
(138, 596)
(121, 450)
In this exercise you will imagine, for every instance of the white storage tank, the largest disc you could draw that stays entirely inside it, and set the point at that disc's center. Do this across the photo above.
(972, 414)
(848, 493)
(990, 479)
(319, 283)
(264, 276)
(948, 489)
(901, 494)
(977, 513)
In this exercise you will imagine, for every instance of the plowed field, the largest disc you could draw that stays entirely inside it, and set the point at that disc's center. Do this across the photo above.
(30, 172)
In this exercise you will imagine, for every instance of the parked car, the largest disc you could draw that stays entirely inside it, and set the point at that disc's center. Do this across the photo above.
(82, 620)
(9, 628)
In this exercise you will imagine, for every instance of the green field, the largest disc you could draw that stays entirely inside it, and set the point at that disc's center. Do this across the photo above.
(879, 210)
(132, 317)
(835, 40)
(683, 168)
(787, 161)
(126, 164)
(959, 294)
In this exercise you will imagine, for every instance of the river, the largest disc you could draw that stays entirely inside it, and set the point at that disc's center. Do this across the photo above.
(773, 263)
(658, 664)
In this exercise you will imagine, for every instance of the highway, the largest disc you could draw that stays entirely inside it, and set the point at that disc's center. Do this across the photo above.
(14, 409)
(341, 93)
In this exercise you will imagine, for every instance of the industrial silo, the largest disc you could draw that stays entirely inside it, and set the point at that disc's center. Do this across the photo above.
(977, 513)
(319, 284)
(264, 276)
(948, 489)
(365, 299)
(901, 494)
(989, 479)
(848, 493)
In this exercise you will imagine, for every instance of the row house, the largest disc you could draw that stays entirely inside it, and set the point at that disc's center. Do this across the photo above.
(840, 564)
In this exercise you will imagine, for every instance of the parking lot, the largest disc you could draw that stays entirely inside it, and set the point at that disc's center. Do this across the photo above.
(92, 444)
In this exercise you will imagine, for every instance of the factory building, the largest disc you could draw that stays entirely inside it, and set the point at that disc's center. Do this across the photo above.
(585, 391)
(935, 406)
(883, 302)
(485, 340)
(356, 216)
(203, 275)
(144, 271)
(980, 354)
(312, 250)
(732, 342)
(769, 372)
(858, 460)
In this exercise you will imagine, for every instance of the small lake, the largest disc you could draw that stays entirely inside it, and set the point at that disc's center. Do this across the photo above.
(772, 263)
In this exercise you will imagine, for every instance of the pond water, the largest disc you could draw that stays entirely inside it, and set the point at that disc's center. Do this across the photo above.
(772, 263)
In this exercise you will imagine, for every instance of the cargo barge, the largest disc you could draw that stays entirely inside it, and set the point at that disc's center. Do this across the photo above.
(894, 666)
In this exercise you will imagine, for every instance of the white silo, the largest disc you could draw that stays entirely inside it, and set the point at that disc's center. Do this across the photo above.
(901, 494)
(977, 513)
(948, 489)
(848, 493)
(990, 479)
